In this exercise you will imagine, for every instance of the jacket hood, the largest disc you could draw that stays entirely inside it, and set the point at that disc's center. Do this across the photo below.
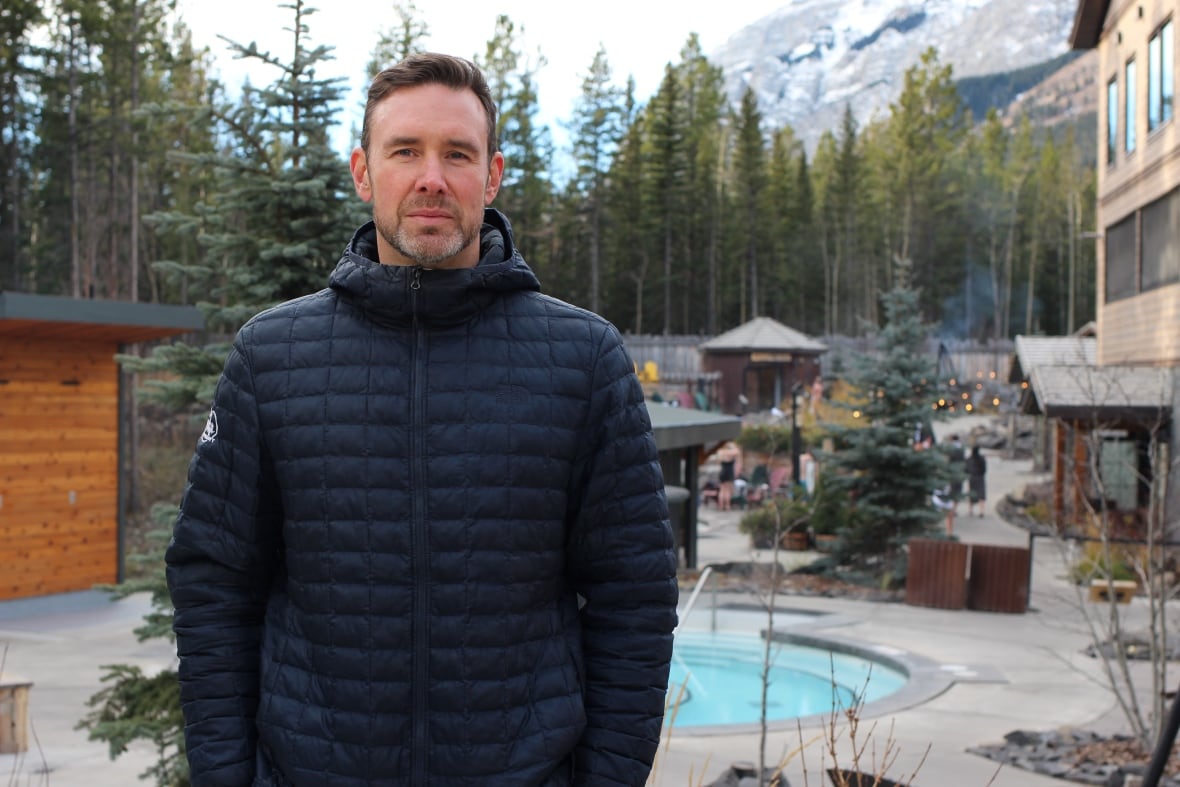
(395, 294)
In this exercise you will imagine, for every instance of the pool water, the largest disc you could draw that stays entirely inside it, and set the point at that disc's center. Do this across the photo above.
(722, 678)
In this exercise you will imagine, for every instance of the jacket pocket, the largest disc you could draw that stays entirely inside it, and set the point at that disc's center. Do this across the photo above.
(265, 774)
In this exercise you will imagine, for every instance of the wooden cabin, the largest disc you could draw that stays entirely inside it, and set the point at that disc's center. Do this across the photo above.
(60, 523)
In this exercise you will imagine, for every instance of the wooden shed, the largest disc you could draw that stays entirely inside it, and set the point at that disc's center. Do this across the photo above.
(762, 361)
(60, 527)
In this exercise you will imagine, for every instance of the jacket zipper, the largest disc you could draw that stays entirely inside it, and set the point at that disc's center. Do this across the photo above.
(419, 752)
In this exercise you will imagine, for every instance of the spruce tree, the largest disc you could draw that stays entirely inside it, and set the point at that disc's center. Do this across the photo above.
(877, 467)
(271, 228)
(596, 130)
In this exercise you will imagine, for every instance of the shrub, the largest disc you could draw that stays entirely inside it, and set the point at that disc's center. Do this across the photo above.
(766, 439)
(782, 515)
(1094, 567)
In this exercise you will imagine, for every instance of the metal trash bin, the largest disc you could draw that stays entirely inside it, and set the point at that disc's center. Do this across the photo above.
(678, 501)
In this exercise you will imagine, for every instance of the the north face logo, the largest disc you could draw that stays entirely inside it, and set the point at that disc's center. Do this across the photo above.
(210, 433)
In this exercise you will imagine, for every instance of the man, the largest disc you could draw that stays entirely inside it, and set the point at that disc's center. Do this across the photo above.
(976, 467)
(425, 539)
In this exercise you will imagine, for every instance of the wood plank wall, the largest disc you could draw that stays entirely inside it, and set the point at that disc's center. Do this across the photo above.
(58, 466)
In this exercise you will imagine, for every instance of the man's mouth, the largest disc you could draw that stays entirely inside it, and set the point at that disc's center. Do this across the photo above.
(429, 213)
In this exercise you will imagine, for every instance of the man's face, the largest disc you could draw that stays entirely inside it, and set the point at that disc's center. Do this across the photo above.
(428, 175)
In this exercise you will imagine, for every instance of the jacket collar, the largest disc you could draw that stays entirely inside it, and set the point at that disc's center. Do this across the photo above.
(443, 297)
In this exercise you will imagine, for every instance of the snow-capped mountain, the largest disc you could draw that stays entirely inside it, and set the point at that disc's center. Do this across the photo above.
(811, 58)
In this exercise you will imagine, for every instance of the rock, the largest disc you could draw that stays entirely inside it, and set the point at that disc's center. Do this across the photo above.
(1024, 738)
(742, 774)
(1054, 768)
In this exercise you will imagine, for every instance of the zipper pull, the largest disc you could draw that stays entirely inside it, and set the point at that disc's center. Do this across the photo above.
(416, 282)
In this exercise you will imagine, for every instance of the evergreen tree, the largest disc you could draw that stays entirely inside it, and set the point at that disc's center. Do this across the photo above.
(398, 41)
(527, 198)
(596, 129)
(706, 125)
(18, 20)
(134, 706)
(276, 220)
(877, 466)
(750, 185)
(664, 183)
(525, 192)
(925, 130)
(628, 257)
(839, 186)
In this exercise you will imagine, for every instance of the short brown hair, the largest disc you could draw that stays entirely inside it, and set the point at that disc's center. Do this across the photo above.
(431, 68)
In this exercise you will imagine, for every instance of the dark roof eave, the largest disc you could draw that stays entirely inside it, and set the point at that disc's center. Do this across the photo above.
(1112, 414)
(1087, 23)
(131, 321)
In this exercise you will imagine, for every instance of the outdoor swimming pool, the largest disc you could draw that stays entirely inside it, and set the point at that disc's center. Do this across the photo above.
(722, 678)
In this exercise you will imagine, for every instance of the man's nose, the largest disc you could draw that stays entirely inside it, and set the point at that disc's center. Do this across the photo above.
(431, 177)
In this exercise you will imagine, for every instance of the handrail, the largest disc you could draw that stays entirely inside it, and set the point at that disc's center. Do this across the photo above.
(692, 599)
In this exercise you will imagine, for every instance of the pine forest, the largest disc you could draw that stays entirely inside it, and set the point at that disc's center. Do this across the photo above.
(130, 174)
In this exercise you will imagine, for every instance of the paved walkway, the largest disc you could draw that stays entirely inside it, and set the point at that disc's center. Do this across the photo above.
(993, 673)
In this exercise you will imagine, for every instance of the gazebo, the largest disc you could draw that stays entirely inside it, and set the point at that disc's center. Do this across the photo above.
(684, 437)
(60, 484)
(763, 361)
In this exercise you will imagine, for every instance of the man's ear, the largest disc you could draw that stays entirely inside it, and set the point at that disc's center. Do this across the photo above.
(358, 163)
(495, 174)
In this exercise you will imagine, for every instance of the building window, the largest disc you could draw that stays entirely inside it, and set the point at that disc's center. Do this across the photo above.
(1112, 119)
(1129, 114)
(1160, 77)
(1160, 263)
(1120, 259)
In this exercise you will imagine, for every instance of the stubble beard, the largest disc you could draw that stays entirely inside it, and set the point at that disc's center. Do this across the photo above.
(428, 248)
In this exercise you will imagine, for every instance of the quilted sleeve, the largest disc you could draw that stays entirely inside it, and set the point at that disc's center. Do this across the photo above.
(220, 563)
(622, 563)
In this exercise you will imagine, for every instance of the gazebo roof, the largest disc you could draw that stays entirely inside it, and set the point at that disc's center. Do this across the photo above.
(764, 334)
(24, 315)
(682, 427)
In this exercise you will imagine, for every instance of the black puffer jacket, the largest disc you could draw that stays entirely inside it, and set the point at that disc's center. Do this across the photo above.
(409, 484)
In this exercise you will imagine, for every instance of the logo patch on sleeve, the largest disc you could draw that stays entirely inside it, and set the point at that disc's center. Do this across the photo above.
(210, 433)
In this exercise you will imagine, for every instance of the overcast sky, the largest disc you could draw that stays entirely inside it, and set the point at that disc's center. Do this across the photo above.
(640, 36)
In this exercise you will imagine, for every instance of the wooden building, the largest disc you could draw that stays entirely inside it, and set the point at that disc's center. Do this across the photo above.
(761, 362)
(1099, 424)
(60, 485)
(1114, 414)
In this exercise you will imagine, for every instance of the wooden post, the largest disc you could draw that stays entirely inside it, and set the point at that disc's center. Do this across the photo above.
(14, 715)
(1081, 472)
(1059, 478)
